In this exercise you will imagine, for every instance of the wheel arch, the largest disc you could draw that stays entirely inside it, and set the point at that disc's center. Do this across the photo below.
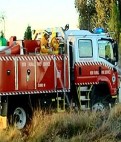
(106, 82)
(101, 90)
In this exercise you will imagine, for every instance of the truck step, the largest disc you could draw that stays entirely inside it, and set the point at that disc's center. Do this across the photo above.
(84, 98)
(84, 107)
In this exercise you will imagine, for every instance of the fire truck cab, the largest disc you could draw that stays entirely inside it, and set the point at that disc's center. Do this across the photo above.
(93, 63)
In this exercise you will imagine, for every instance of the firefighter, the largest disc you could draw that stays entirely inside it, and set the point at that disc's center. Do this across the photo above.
(54, 43)
(44, 43)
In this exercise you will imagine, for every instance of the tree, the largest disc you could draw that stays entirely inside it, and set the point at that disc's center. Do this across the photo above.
(86, 9)
(28, 33)
(100, 13)
(1, 34)
(2, 20)
(119, 7)
(114, 21)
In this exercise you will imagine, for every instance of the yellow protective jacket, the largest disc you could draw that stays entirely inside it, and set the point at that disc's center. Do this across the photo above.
(44, 45)
(55, 45)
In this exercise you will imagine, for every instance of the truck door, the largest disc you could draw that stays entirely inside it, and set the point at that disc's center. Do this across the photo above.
(85, 64)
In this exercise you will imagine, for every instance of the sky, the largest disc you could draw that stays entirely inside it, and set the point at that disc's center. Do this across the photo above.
(36, 13)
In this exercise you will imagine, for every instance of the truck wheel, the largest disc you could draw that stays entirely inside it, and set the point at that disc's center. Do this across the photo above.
(19, 118)
(98, 107)
(99, 99)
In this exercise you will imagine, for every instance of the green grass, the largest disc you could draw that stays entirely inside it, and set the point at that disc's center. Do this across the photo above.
(69, 127)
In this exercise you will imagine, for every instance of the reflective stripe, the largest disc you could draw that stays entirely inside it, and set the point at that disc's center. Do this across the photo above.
(114, 96)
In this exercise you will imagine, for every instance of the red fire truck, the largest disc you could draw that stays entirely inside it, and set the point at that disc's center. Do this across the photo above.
(83, 76)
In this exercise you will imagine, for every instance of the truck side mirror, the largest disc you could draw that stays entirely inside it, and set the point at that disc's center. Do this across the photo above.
(115, 48)
(66, 27)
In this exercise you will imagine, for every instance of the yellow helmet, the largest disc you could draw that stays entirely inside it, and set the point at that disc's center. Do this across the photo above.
(45, 33)
(53, 34)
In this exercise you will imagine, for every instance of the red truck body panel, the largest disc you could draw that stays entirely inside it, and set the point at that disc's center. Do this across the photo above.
(7, 76)
(31, 45)
(25, 73)
(45, 74)
(95, 72)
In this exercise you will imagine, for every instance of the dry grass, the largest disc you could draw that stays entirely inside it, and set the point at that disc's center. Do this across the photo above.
(69, 127)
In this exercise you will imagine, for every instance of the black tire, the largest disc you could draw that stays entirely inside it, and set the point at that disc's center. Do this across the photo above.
(99, 99)
(19, 117)
(18, 108)
(100, 106)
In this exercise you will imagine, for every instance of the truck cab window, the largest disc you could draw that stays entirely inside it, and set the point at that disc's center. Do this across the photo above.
(85, 48)
(105, 50)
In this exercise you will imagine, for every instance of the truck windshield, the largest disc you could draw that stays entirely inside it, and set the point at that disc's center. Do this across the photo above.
(105, 50)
